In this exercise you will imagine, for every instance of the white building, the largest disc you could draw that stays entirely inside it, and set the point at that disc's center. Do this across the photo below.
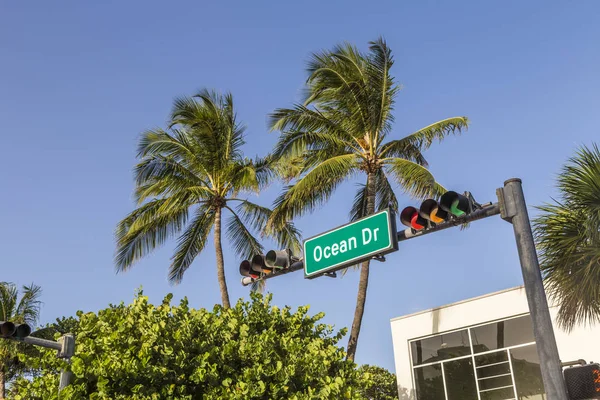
(479, 349)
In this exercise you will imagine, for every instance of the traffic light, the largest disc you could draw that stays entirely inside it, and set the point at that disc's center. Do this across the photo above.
(8, 330)
(583, 382)
(262, 266)
(278, 259)
(451, 205)
(255, 268)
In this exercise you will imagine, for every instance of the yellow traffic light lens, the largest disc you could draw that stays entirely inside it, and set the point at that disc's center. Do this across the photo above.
(433, 216)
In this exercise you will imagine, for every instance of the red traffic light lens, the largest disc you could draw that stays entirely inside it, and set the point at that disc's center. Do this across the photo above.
(410, 217)
(418, 222)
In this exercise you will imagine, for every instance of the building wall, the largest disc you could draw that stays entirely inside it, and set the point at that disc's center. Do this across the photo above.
(579, 343)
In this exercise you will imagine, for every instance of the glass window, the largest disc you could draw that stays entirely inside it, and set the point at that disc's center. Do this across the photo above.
(502, 334)
(492, 364)
(528, 377)
(460, 379)
(440, 347)
(429, 381)
(498, 394)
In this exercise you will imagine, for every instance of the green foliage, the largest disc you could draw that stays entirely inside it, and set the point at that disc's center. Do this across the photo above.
(25, 309)
(186, 177)
(341, 129)
(380, 384)
(568, 238)
(253, 350)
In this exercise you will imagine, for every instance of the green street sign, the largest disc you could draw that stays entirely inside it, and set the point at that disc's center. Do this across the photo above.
(350, 244)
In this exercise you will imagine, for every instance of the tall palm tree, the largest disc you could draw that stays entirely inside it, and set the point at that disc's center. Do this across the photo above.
(23, 310)
(196, 168)
(568, 239)
(341, 130)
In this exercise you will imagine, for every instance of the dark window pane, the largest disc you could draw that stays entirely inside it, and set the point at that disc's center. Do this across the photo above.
(502, 334)
(460, 380)
(495, 381)
(528, 377)
(440, 347)
(492, 364)
(430, 385)
(498, 394)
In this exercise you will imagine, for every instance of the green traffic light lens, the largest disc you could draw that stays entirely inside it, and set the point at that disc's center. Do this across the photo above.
(455, 210)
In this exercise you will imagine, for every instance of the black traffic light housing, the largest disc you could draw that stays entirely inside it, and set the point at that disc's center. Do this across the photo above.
(455, 204)
(583, 382)
(246, 270)
(9, 330)
(431, 212)
(278, 259)
(261, 265)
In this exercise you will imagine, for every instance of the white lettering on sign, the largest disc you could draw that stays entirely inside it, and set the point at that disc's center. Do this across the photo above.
(326, 252)
(368, 235)
(318, 258)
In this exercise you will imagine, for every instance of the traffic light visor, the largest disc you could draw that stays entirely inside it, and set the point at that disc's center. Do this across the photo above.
(246, 270)
(258, 264)
(454, 203)
(410, 217)
(7, 329)
(431, 211)
(277, 259)
(22, 331)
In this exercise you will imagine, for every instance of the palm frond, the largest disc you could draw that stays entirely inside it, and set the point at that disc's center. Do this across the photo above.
(288, 168)
(413, 178)
(384, 197)
(314, 188)
(359, 206)
(244, 243)
(258, 286)
(191, 242)
(28, 309)
(424, 138)
(286, 235)
(385, 193)
(303, 128)
(383, 90)
(567, 234)
(147, 228)
(8, 300)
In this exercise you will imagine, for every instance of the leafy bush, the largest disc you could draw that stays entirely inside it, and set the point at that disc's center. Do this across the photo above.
(252, 351)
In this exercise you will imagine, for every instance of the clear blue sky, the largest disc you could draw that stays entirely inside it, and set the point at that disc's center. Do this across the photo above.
(80, 80)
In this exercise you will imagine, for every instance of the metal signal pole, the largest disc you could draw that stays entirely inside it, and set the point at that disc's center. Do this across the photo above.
(514, 210)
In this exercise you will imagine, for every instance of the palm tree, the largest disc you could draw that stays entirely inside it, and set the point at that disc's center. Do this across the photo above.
(19, 311)
(187, 177)
(341, 130)
(568, 239)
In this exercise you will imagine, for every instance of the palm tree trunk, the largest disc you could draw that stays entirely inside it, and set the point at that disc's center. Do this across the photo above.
(363, 282)
(2, 385)
(220, 262)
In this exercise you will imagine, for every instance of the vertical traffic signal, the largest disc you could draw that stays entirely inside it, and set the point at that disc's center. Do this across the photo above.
(583, 382)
